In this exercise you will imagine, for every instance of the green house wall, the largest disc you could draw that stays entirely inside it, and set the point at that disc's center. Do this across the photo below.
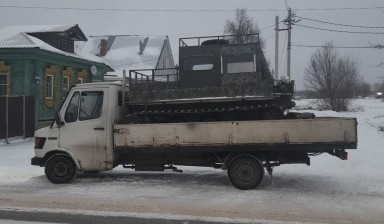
(28, 66)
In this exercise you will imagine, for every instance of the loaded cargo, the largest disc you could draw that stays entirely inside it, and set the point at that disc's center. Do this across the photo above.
(220, 109)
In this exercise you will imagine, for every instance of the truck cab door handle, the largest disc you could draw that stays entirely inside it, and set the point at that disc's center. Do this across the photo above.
(99, 128)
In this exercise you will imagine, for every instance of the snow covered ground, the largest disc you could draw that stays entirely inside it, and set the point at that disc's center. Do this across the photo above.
(328, 191)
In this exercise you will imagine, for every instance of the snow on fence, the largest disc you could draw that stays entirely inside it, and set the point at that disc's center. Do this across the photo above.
(17, 116)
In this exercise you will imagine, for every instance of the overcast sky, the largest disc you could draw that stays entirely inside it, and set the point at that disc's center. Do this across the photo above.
(181, 18)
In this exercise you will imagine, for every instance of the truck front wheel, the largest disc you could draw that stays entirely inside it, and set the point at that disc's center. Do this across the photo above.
(60, 169)
(245, 172)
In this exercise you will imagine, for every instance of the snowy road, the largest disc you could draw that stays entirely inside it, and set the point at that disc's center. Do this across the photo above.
(328, 191)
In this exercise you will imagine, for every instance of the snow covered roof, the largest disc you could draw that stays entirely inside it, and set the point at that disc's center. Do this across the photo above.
(123, 51)
(20, 37)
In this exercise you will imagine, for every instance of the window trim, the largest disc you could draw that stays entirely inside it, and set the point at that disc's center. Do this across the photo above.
(65, 85)
(50, 71)
(6, 69)
(82, 75)
(66, 73)
(6, 85)
(52, 86)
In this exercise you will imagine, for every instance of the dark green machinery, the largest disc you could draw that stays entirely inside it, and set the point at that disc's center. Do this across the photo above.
(217, 79)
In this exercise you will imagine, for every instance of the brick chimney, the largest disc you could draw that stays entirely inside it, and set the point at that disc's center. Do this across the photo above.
(103, 47)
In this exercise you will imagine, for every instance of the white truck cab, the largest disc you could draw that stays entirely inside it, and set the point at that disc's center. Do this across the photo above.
(83, 128)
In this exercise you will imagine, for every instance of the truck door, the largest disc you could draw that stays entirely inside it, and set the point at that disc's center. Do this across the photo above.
(84, 129)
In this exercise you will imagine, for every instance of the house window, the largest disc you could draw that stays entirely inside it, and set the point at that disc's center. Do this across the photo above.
(3, 83)
(82, 76)
(49, 86)
(5, 79)
(65, 85)
(164, 63)
(49, 93)
(67, 75)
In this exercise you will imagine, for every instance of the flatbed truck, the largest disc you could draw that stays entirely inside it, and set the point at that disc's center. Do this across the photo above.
(88, 135)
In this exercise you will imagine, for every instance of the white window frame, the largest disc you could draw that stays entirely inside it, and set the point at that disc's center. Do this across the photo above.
(6, 85)
(65, 85)
(80, 80)
(46, 85)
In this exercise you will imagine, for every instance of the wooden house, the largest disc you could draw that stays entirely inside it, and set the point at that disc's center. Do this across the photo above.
(42, 61)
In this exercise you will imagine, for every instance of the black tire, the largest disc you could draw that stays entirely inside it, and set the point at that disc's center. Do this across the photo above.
(245, 172)
(60, 169)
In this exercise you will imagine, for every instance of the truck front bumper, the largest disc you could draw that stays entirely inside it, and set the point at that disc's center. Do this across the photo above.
(37, 161)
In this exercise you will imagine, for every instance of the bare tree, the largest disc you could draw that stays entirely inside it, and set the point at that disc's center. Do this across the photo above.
(332, 77)
(241, 25)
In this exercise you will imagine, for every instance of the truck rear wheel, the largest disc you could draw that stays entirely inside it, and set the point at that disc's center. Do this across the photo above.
(60, 169)
(245, 172)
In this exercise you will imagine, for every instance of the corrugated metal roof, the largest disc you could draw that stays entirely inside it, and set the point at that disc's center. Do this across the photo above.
(12, 36)
(38, 28)
(123, 51)
(17, 37)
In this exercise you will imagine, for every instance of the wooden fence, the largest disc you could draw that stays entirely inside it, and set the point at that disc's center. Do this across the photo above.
(17, 116)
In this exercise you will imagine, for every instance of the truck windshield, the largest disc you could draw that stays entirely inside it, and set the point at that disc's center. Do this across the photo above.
(72, 109)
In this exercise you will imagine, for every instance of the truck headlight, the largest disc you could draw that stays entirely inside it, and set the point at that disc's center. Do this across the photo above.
(39, 142)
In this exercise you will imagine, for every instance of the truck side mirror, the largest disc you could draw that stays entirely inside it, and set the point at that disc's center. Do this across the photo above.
(59, 123)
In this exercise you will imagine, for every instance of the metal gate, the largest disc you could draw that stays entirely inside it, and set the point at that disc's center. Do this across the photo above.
(17, 116)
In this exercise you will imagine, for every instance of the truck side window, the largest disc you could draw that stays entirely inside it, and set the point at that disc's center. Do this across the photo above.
(71, 112)
(198, 63)
(239, 63)
(91, 104)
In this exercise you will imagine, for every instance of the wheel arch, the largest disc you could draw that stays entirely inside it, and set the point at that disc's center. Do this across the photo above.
(62, 152)
(232, 156)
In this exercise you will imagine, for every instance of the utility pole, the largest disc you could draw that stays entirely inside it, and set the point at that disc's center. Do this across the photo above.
(289, 22)
(277, 48)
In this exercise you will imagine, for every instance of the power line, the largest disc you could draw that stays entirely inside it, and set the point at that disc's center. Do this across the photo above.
(339, 24)
(137, 10)
(186, 10)
(347, 47)
(340, 8)
(339, 31)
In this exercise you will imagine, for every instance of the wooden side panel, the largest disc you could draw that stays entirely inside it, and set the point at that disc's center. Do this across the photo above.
(306, 131)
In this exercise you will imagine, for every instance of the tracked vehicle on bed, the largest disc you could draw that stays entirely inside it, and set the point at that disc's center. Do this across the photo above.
(192, 117)
(218, 79)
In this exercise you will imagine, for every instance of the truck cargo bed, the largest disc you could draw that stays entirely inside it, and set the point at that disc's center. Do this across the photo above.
(310, 134)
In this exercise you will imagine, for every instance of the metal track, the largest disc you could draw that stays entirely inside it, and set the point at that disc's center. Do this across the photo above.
(198, 112)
